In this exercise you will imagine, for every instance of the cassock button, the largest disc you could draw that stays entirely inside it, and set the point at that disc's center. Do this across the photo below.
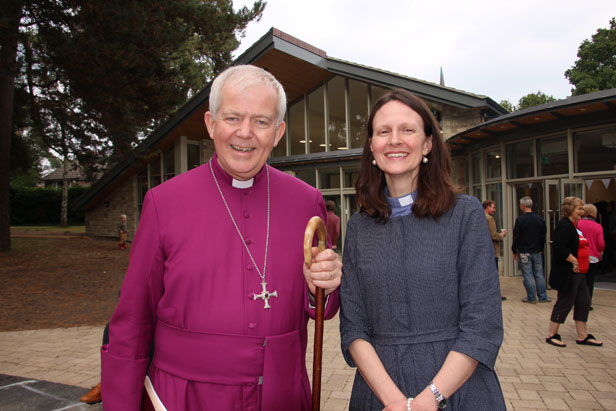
(246, 215)
(252, 325)
(248, 241)
(249, 267)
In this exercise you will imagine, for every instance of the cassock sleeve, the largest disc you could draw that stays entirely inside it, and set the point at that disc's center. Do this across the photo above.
(481, 322)
(332, 301)
(125, 359)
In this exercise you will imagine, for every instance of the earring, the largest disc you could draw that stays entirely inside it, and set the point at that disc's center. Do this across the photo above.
(424, 160)
(373, 162)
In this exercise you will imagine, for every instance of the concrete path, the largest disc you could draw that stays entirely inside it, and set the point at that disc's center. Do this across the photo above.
(534, 375)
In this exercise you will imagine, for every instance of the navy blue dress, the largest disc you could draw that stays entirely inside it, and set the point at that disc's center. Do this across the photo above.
(417, 289)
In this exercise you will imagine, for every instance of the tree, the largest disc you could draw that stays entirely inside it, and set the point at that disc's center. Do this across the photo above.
(101, 73)
(507, 105)
(595, 68)
(534, 99)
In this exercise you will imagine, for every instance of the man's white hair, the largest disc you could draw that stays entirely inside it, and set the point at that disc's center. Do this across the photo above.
(244, 77)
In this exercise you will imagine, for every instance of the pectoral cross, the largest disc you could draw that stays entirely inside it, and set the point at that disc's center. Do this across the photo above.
(265, 295)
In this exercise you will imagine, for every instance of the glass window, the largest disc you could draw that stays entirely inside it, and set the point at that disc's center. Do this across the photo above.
(316, 120)
(520, 159)
(553, 157)
(494, 192)
(168, 164)
(460, 171)
(281, 149)
(350, 178)
(155, 172)
(476, 162)
(358, 107)
(375, 93)
(595, 150)
(297, 130)
(337, 114)
(477, 192)
(493, 164)
(193, 154)
(329, 179)
(307, 176)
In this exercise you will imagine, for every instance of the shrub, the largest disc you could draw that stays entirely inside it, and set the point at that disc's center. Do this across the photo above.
(35, 206)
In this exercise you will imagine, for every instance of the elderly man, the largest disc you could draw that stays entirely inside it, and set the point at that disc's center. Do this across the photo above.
(528, 241)
(216, 275)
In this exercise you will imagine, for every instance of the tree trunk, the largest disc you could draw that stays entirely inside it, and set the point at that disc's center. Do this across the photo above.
(64, 208)
(8, 55)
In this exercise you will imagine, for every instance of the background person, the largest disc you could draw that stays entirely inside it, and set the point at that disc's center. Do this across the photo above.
(216, 275)
(528, 241)
(420, 310)
(122, 232)
(489, 207)
(333, 223)
(569, 264)
(593, 232)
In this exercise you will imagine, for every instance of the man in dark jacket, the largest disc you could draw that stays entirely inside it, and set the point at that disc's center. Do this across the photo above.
(528, 240)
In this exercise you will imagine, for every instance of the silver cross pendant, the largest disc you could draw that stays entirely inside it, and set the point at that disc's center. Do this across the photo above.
(265, 295)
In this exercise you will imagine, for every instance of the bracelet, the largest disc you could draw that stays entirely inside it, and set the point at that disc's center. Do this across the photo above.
(408, 403)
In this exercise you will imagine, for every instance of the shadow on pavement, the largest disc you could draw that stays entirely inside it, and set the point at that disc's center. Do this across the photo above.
(21, 394)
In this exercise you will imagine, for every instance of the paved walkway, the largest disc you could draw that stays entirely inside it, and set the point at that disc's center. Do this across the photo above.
(534, 375)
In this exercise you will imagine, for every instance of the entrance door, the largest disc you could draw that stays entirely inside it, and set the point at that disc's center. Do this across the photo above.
(552, 216)
(572, 187)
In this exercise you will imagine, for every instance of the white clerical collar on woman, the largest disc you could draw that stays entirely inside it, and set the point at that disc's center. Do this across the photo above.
(242, 184)
(400, 206)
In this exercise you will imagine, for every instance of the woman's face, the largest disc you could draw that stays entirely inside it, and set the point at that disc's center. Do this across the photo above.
(577, 214)
(399, 143)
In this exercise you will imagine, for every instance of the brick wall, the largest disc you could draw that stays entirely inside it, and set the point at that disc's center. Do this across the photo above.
(103, 219)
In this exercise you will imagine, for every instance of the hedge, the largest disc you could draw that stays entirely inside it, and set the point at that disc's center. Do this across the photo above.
(34, 205)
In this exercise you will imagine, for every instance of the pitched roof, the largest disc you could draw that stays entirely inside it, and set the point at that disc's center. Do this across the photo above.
(299, 67)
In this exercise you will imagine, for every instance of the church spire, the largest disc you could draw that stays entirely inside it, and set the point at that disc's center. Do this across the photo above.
(442, 77)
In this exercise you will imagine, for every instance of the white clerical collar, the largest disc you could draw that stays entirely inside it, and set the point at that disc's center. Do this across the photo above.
(243, 184)
(406, 200)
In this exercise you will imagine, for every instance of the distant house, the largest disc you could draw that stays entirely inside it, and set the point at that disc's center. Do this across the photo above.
(328, 105)
(75, 176)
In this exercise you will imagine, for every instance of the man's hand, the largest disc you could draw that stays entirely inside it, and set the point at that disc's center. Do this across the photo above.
(325, 271)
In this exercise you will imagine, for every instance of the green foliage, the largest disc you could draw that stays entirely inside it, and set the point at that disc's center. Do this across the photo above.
(595, 68)
(534, 99)
(507, 105)
(33, 205)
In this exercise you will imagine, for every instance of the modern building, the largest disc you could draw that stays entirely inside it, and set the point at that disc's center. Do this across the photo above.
(328, 104)
(564, 148)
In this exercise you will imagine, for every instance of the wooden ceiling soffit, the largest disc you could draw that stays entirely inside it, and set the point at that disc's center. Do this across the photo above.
(296, 76)
(536, 119)
(589, 108)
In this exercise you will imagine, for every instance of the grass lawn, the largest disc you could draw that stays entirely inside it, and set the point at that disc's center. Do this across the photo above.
(49, 229)
(50, 282)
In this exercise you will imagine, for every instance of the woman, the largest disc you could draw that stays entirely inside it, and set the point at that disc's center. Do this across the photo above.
(420, 299)
(593, 232)
(570, 259)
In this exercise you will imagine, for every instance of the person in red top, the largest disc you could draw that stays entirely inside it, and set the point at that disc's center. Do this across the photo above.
(333, 223)
(570, 259)
(596, 244)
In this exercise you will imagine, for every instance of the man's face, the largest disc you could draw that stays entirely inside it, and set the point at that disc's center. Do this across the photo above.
(491, 209)
(244, 131)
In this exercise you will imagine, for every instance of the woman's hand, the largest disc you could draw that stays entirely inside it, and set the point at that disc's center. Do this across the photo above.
(576, 266)
(397, 405)
(425, 401)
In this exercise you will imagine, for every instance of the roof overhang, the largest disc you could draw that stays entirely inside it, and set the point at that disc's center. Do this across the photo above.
(575, 111)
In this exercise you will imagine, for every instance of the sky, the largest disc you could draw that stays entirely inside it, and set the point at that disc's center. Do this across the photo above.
(502, 49)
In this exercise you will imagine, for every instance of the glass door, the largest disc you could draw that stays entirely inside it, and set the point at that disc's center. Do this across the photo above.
(572, 187)
(551, 215)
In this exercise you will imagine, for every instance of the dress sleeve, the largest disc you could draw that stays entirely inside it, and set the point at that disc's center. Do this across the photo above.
(354, 323)
(332, 301)
(481, 320)
(125, 359)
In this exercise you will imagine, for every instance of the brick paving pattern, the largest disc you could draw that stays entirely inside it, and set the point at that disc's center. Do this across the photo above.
(533, 375)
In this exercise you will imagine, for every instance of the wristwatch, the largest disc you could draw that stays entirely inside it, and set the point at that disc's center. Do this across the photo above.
(441, 401)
